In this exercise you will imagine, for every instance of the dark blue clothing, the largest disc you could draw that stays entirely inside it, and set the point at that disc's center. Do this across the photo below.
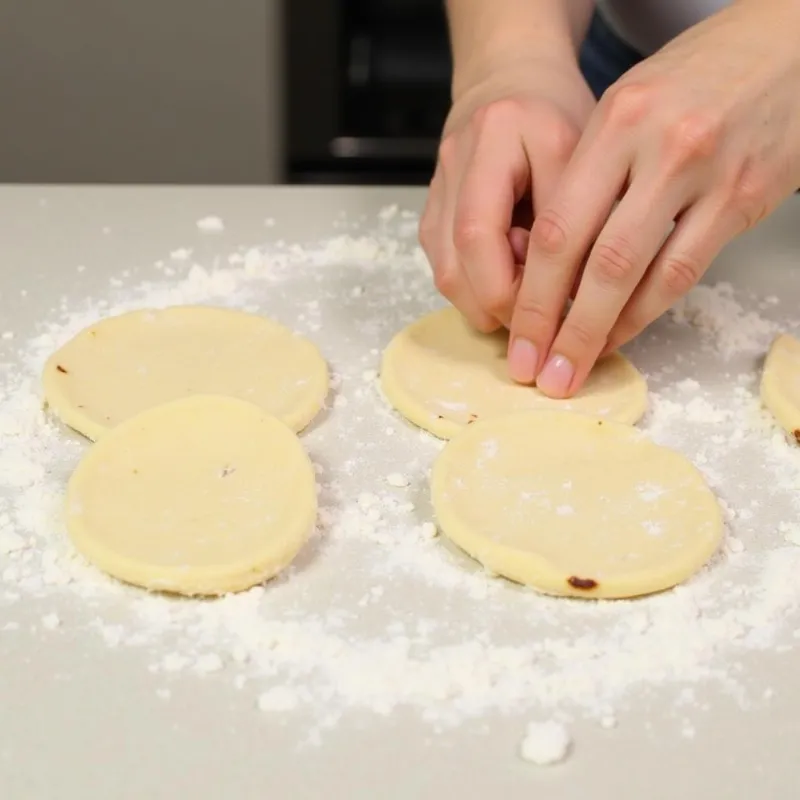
(604, 57)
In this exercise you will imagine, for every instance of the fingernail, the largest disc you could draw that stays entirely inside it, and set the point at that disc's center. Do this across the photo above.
(523, 359)
(556, 377)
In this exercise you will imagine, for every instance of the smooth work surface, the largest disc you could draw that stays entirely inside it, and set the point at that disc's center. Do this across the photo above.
(80, 719)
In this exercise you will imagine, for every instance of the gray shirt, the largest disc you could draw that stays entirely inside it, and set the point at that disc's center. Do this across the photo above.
(647, 25)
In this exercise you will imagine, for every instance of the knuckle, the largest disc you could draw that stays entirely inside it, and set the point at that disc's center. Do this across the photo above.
(691, 138)
(495, 301)
(626, 105)
(559, 138)
(496, 114)
(447, 151)
(531, 317)
(550, 233)
(614, 261)
(629, 325)
(680, 273)
(445, 278)
(425, 234)
(748, 196)
(483, 323)
(468, 233)
(578, 335)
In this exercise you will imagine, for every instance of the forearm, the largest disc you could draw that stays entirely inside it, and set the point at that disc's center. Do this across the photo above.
(484, 34)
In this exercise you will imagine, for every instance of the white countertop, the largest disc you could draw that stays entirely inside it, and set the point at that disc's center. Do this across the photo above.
(80, 718)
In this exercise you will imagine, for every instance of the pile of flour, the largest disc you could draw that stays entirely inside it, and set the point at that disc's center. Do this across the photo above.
(379, 613)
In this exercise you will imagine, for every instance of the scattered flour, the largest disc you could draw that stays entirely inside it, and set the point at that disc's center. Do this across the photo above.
(379, 613)
(279, 698)
(791, 532)
(719, 315)
(207, 663)
(10, 542)
(546, 743)
(211, 225)
(51, 621)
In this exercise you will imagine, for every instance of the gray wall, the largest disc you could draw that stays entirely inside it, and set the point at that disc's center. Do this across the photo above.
(141, 91)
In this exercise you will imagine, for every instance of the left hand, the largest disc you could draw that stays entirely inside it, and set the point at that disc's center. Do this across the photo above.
(705, 134)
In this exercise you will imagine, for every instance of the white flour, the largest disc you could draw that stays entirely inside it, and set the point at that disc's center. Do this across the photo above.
(378, 612)
(545, 743)
(210, 225)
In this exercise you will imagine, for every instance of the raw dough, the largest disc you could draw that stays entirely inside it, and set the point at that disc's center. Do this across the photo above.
(574, 505)
(780, 383)
(201, 496)
(123, 365)
(441, 374)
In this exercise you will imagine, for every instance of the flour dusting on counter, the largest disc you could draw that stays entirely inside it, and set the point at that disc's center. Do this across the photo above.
(545, 743)
(378, 613)
(211, 225)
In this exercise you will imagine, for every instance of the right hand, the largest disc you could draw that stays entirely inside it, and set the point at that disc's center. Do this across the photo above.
(506, 140)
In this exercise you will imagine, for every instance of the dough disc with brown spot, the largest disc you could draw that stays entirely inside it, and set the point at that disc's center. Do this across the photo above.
(441, 374)
(200, 496)
(574, 505)
(780, 384)
(123, 365)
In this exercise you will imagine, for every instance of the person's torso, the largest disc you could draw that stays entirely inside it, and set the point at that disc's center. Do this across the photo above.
(647, 25)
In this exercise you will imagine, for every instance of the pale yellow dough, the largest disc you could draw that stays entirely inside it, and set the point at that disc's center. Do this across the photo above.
(574, 505)
(201, 496)
(124, 365)
(441, 375)
(780, 383)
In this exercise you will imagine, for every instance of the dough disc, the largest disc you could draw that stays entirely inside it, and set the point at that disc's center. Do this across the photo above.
(574, 505)
(780, 383)
(124, 365)
(200, 496)
(441, 374)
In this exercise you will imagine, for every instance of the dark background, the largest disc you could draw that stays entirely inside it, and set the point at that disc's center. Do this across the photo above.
(221, 91)
(374, 113)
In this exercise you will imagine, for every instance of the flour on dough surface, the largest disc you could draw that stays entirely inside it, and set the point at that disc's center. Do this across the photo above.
(442, 375)
(575, 505)
(129, 363)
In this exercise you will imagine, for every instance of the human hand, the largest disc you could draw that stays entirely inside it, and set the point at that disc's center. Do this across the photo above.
(506, 140)
(706, 133)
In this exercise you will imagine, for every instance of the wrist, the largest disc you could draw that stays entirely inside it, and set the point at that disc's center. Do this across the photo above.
(506, 64)
(490, 37)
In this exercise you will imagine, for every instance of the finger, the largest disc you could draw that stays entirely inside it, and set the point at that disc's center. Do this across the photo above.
(699, 235)
(618, 260)
(496, 178)
(518, 238)
(429, 222)
(449, 274)
(547, 165)
(562, 234)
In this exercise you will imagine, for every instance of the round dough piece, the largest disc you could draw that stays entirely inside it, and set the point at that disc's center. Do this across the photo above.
(575, 505)
(201, 496)
(121, 366)
(441, 374)
(780, 383)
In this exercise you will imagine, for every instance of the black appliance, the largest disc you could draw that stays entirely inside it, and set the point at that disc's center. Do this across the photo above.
(368, 88)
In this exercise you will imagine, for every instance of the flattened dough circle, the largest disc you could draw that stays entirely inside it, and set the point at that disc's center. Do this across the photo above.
(574, 505)
(201, 496)
(123, 365)
(780, 383)
(441, 375)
